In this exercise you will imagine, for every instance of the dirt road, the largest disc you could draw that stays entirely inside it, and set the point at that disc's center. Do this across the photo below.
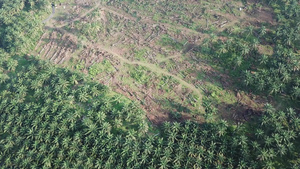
(51, 15)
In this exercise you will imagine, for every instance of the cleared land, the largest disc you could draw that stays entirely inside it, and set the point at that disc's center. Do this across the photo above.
(148, 55)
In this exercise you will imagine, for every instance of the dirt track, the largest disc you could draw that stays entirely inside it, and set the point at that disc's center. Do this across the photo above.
(50, 16)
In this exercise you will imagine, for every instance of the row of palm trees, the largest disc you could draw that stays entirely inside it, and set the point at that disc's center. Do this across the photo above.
(21, 24)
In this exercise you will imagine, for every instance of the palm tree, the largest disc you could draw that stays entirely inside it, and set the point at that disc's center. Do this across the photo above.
(261, 85)
(164, 163)
(83, 96)
(263, 59)
(64, 84)
(269, 165)
(259, 133)
(148, 148)
(255, 43)
(239, 61)
(95, 91)
(209, 116)
(268, 141)
(179, 157)
(3, 78)
(73, 79)
(263, 155)
(66, 142)
(282, 150)
(172, 136)
(248, 78)
(32, 69)
(66, 165)
(262, 31)
(249, 30)
(213, 37)
(12, 64)
(222, 49)
(144, 159)
(210, 156)
(245, 49)
(8, 162)
(36, 84)
(92, 128)
(106, 127)
(255, 145)
(47, 162)
(269, 108)
(296, 92)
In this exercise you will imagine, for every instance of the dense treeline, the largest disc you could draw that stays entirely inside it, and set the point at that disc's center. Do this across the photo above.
(20, 23)
(41, 104)
(245, 51)
(51, 117)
